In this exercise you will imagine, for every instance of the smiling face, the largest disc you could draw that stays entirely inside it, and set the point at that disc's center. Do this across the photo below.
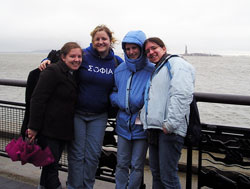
(101, 42)
(154, 52)
(132, 50)
(73, 59)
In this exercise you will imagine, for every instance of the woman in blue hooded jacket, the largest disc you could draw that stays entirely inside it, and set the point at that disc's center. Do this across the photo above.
(130, 80)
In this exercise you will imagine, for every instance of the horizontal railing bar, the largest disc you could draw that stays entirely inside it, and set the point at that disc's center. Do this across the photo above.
(13, 82)
(200, 96)
(222, 98)
(9, 134)
(225, 128)
(12, 103)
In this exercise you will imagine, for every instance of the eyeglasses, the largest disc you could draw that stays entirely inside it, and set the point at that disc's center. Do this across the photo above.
(151, 48)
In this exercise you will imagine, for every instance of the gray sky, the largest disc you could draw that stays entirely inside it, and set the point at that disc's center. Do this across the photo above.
(206, 26)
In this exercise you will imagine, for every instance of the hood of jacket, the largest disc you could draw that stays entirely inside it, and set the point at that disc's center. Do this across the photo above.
(136, 37)
(95, 53)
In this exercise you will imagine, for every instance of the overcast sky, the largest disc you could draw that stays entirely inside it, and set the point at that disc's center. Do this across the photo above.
(206, 26)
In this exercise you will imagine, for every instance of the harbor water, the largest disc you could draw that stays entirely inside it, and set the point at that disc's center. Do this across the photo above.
(214, 74)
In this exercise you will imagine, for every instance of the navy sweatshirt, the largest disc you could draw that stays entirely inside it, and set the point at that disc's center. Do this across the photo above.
(96, 79)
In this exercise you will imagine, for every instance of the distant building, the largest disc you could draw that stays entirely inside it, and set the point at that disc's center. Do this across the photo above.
(186, 51)
(197, 54)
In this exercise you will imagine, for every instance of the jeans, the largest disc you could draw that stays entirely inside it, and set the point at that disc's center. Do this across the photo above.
(85, 150)
(163, 161)
(49, 176)
(130, 153)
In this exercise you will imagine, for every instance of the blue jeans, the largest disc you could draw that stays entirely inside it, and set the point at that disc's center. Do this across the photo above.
(163, 161)
(130, 153)
(85, 150)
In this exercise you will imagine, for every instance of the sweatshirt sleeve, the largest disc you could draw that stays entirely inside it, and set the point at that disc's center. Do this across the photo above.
(53, 56)
(119, 59)
(114, 94)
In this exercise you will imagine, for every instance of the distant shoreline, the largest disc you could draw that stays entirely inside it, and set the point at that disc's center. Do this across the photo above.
(22, 52)
(201, 54)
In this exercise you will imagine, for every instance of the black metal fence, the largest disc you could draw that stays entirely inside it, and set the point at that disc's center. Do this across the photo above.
(224, 152)
(11, 118)
(223, 156)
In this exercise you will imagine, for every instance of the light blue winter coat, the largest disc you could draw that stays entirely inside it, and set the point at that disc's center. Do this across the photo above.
(167, 99)
(131, 77)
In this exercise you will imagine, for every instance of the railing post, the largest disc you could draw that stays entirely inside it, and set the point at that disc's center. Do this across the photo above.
(189, 167)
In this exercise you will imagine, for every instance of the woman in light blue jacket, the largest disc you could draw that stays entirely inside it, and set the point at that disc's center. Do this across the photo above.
(130, 80)
(165, 114)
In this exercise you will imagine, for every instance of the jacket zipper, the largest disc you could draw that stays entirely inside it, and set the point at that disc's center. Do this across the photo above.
(128, 101)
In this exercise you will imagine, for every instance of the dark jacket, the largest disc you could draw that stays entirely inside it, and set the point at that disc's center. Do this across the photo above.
(31, 84)
(53, 102)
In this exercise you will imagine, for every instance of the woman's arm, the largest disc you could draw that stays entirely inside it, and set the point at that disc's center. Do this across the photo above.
(44, 64)
(113, 97)
(53, 56)
(181, 95)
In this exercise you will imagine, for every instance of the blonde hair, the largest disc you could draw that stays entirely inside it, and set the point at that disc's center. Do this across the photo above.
(107, 30)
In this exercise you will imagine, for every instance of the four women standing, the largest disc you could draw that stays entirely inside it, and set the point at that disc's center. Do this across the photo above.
(166, 91)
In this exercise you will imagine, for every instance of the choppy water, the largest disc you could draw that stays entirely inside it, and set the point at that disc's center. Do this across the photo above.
(224, 75)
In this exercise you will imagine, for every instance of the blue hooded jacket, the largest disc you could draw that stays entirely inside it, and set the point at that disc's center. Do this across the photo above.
(131, 77)
(96, 80)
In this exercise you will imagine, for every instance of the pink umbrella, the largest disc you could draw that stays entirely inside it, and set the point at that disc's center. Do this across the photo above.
(14, 149)
(20, 150)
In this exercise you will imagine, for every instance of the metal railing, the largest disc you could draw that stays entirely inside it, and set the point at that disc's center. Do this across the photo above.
(224, 151)
(230, 146)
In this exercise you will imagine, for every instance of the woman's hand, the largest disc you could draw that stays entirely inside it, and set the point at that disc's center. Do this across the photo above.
(165, 130)
(44, 64)
(32, 135)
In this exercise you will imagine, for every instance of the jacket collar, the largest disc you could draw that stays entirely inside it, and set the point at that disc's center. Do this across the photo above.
(63, 66)
(65, 69)
(162, 60)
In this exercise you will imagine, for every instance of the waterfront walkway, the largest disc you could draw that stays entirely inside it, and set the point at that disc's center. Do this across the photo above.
(13, 175)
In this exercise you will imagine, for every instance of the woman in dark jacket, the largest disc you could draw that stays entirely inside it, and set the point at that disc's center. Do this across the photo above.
(52, 109)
